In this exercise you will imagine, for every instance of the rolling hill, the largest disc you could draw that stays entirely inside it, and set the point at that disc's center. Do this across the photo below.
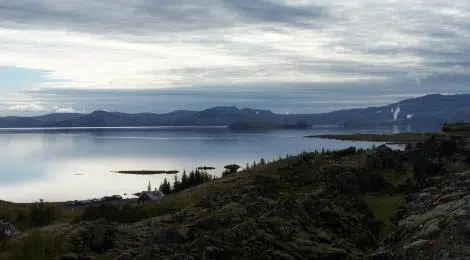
(432, 110)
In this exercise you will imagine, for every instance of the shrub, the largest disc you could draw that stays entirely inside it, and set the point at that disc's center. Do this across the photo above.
(31, 247)
(165, 187)
(345, 152)
(106, 211)
(126, 214)
(231, 168)
(41, 214)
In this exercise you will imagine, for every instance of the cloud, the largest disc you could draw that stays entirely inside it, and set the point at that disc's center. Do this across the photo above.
(37, 108)
(27, 107)
(64, 109)
(144, 44)
(275, 11)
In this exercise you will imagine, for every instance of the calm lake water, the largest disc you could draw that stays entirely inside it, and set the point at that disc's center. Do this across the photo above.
(69, 164)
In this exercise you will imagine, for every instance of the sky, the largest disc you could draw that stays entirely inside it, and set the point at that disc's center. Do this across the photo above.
(289, 56)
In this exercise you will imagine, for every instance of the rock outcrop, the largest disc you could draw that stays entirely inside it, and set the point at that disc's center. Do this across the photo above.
(434, 223)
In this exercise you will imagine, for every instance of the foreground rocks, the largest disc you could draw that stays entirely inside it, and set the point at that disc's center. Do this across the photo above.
(434, 224)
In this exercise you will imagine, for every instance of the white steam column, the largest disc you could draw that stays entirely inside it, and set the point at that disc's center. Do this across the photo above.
(396, 113)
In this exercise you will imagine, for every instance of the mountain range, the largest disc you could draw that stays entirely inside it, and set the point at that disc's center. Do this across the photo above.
(432, 109)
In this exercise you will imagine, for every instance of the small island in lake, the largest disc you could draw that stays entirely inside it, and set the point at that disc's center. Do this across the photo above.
(263, 126)
(147, 172)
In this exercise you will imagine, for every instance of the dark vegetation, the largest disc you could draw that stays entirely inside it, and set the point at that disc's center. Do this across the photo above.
(187, 181)
(403, 138)
(125, 214)
(231, 168)
(456, 128)
(319, 205)
(30, 216)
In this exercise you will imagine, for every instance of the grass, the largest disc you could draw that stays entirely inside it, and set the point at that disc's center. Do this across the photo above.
(396, 178)
(383, 208)
(393, 138)
(179, 201)
(10, 207)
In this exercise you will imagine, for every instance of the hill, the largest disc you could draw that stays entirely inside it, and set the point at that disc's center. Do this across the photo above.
(432, 110)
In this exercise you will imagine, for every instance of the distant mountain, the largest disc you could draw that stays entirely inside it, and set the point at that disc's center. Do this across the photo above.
(427, 110)
(431, 109)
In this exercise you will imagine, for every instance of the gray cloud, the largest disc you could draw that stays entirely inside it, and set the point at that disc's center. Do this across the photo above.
(194, 42)
(270, 11)
(144, 16)
(104, 16)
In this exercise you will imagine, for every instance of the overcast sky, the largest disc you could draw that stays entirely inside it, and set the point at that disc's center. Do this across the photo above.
(283, 55)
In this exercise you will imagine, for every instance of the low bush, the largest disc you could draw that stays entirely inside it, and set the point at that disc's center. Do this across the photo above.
(110, 212)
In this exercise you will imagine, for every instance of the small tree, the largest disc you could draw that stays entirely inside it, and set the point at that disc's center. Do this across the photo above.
(192, 179)
(231, 168)
(21, 219)
(165, 187)
(176, 184)
(184, 181)
(262, 161)
(41, 214)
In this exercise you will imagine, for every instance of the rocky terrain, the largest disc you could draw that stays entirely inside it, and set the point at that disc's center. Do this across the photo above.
(434, 223)
(350, 204)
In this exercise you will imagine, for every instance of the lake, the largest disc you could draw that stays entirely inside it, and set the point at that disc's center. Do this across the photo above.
(66, 164)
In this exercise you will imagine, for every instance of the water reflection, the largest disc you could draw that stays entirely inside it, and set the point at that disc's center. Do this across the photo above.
(68, 165)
